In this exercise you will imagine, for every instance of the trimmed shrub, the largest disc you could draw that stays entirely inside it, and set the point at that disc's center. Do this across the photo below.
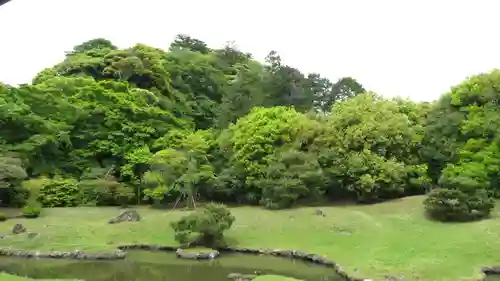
(455, 205)
(32, 210)
(208, 224)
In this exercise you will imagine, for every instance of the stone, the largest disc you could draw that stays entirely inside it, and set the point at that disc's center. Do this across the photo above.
(283, 253)
(491, 270)
(342, 231)
(32, 235)
(234, 276)
(18, 229)
(241, 277)
(299, 254)
(320, 213)
(195, 255)
(129, 215)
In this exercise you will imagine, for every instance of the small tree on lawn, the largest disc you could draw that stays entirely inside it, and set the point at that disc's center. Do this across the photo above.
(179, 170)
(207, 224)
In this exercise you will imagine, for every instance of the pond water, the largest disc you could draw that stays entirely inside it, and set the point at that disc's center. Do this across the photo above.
(160, 266)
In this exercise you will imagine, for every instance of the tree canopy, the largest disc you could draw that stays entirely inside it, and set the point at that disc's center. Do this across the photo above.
(217, 124)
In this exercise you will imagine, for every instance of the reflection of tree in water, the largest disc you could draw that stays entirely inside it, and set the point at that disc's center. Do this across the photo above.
(160, 268)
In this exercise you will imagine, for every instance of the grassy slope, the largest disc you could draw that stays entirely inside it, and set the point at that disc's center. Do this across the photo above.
(389, 238)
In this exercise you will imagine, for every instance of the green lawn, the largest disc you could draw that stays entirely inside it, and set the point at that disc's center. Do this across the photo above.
(390, 238)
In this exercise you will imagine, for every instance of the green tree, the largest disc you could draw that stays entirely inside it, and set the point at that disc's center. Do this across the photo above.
(369, 148)
(255, 138)
(184, 41)
(181, 170)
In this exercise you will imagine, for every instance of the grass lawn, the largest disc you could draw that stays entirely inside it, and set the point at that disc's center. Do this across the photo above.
(391, 238)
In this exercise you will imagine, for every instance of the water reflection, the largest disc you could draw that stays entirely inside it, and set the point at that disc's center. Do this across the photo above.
(147, 266)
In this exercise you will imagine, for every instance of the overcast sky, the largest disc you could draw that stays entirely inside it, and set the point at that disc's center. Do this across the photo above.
(415, 49)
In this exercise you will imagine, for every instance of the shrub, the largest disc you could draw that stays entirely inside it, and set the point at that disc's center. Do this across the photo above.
(17, 196)
(59, 192)
(455, 205)
(32, 210)
(3, 217)
(208, 224)
(103, 192)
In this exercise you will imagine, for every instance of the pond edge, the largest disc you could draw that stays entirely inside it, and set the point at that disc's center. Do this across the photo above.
(121, 253)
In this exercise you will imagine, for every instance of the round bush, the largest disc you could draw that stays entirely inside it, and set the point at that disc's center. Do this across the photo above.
(455, 205)
(59, 192)
(3, 217)
(32, 211)
(208, 225)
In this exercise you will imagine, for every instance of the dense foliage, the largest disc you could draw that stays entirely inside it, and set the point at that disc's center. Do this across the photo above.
(207, 225)
(110, 126)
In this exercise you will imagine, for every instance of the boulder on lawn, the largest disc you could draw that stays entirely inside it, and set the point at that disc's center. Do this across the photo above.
(130, 215)
(18, 229)
(319, 212)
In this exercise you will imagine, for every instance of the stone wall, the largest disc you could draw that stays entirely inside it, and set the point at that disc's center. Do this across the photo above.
(79, 255)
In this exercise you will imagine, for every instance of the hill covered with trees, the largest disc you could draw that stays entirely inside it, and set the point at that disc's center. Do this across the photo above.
(110, 126)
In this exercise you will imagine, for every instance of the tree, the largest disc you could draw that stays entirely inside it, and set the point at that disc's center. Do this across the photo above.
(368, 148)
(345, 88)
(193, 122)
(11, 171)
(462, 130)
(180, 170)
(98, 43)
(285, 85)
(290, 176)
(187, 42)
(135, 168)
(255, 138)
(326, 93)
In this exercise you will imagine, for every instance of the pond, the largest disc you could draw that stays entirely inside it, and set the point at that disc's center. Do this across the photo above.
(159, 266)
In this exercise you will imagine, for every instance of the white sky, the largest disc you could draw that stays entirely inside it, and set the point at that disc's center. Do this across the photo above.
(411, 48)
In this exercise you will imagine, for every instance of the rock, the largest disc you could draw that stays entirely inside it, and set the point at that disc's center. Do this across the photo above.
(299, 254)
(342, 231)
(18, 229)
(394, 278)
(241, 277)
(194, 255)
(320, 213)
(130, 215)
(492, 270)
(234, 276)
(32, 235)
(283, 253)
